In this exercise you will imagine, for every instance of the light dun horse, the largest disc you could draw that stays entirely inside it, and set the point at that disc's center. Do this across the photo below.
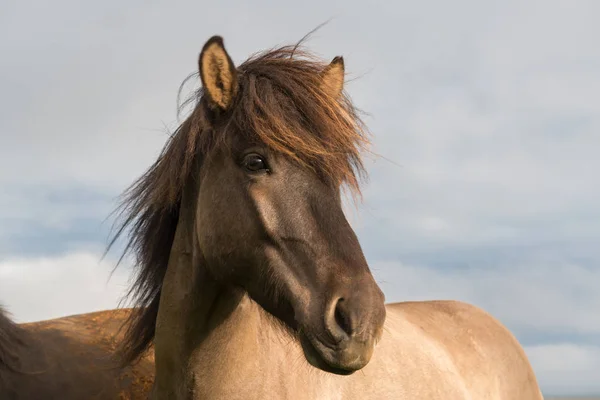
(251, 282)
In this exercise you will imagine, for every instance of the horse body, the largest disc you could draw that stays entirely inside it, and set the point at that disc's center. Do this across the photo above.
(223, 345)
(68, 358)
(408, 363)
(251, 283)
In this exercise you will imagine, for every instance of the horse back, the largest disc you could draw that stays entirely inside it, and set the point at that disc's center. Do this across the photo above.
(483, 352)
(74, 358)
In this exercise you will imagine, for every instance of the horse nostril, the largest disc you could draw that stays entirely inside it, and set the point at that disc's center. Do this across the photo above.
(338, 321)
(342, 319)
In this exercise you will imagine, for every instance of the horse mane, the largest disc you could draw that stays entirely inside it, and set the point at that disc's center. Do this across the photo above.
(281, 102)
(12, 341)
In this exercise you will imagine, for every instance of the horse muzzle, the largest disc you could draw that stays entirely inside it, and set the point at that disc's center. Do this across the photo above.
(351, 327)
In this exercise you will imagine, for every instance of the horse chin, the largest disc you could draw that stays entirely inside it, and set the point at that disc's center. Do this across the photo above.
(321, 357)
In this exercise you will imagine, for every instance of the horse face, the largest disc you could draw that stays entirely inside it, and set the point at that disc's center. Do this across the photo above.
(276, 228)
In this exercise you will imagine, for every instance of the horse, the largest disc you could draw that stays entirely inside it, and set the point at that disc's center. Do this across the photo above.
(249, 281)
(70, 358)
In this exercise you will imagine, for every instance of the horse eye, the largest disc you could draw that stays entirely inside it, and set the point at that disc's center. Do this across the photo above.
(254, 163)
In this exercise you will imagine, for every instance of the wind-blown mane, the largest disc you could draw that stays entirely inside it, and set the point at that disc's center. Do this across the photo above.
(281, 102)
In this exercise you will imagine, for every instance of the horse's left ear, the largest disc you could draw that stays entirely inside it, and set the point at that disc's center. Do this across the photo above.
(333, 77)
(218, 74)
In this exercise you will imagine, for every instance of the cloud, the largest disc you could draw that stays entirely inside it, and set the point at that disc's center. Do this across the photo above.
(35, 289)
(566, 368)
(51, 220)
(544, 297)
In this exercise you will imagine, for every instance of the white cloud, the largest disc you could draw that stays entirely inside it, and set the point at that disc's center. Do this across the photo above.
(494, 118)
(566, 368)
(34, 289)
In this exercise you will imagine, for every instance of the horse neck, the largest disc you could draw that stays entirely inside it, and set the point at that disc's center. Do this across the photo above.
(197, 316)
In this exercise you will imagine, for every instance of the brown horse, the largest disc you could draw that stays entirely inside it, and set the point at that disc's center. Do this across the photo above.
(251, 282)
(69, 358)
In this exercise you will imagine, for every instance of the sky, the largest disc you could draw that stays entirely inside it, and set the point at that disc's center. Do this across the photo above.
(485, 116)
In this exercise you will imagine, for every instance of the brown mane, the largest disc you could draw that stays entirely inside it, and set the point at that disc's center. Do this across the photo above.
(281, 103)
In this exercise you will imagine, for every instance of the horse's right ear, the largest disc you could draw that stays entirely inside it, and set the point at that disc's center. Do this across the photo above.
(218, 74)
(333, 77)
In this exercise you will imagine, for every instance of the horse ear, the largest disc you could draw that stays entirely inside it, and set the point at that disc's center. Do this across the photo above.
(333, 77)
(218, 74)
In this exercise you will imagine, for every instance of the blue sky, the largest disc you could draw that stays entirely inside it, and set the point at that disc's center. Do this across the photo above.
(487, 115)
